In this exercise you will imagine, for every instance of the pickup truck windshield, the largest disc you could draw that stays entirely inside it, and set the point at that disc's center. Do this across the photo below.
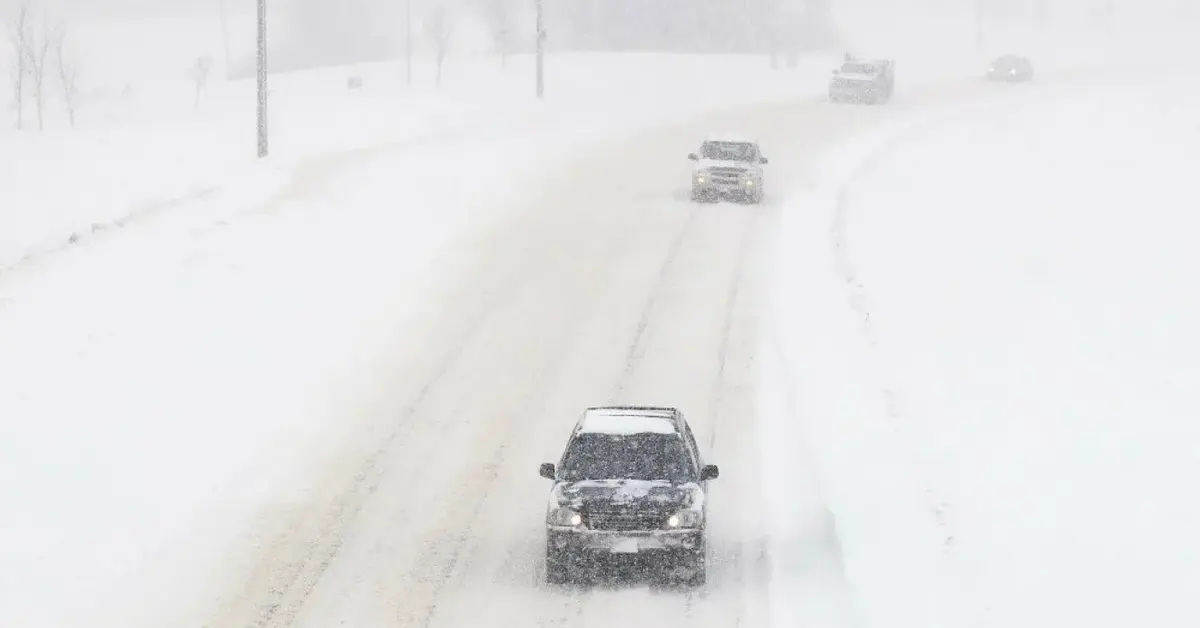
(647, 456)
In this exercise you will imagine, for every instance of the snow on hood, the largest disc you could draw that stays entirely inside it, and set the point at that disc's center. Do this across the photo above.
(577, 494)
(856, 76)
(721, 163)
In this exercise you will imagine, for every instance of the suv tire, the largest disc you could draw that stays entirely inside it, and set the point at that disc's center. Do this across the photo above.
(557, 571)
(696, 565)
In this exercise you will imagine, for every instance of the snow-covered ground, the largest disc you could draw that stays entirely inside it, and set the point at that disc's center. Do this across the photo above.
(63, 181)
(150, 149)
(1002, 396)
(163, 388)
(198, 369)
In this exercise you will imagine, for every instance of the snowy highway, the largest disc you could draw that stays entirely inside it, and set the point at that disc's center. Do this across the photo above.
(351, 386)
(331, 406)
(605, 286)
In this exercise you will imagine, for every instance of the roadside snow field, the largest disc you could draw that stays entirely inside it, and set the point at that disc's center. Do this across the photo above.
(1007, 388)
(155, 146)
(156, 153)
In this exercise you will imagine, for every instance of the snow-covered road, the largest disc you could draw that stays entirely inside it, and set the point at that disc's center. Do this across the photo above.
(605, 285)
(352, 455)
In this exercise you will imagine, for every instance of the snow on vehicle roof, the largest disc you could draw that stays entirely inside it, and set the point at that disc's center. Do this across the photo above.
(627, 421)
(730, 137)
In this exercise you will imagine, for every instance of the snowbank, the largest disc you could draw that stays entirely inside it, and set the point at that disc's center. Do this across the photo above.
(1034, 310)
(990, 346)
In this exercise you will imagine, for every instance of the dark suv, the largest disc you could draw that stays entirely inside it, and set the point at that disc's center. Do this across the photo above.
(630, 482)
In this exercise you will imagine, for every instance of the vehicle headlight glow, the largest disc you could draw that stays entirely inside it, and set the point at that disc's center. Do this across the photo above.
(563, 517)
(684, 519)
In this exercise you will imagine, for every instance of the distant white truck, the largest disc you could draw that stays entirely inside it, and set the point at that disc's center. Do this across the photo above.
(728, 165)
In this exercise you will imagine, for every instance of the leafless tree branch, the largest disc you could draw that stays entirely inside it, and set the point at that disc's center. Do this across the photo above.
(18, 37)
(440, 28)
(68, 71)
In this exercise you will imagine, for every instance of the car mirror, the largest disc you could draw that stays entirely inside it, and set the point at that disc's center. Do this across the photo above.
(710, 472)
(762, 160)
(547, 470)
(693, 157)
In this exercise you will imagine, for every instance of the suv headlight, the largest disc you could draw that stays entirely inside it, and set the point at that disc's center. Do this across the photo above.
(563, 517)
(685, 519)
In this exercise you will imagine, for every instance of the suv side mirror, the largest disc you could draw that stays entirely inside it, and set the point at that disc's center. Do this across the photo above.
(693, 157)
(547, 470)
(762, 160)
(710, 472)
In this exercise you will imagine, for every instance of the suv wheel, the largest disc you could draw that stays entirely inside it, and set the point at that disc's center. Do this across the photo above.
(556, 567)
(696, 566)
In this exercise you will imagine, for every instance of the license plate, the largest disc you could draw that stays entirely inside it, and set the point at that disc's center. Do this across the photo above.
(625, 546)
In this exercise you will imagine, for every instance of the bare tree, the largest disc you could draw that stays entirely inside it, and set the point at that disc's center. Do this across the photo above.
(500, 20)
(440, 27)
(68, 72)
(199, 75)
(19, 37)
(38, 53)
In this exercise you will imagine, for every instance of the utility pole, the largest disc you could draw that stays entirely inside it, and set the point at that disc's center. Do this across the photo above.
(980, 18)
(262, 78)
(408, 39)
(225, 37)
(541, 51)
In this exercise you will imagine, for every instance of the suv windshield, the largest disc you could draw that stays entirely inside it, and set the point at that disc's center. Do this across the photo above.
(647, 456)
(859, 68)
(729, 151)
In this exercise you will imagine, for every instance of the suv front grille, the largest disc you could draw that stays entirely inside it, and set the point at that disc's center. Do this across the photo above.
(623, 521)
(725, 175)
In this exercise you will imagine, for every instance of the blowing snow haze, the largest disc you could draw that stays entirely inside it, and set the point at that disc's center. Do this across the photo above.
(323, 32)
(314, 33)
(311, 33)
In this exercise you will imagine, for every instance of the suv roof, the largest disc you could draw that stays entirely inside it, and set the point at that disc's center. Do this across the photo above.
(630, 420)
(736, 138)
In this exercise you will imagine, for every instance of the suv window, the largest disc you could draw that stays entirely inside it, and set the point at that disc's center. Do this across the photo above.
(859, 68)
(729, 151)
(644, 456)
(691, 439)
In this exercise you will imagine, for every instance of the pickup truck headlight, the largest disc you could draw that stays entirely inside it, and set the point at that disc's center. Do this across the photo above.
(563, 517)
(685, 519)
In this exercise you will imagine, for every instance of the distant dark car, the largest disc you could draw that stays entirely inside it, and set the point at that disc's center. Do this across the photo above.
(869, 81)
(1011, 69)
(631, 483)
